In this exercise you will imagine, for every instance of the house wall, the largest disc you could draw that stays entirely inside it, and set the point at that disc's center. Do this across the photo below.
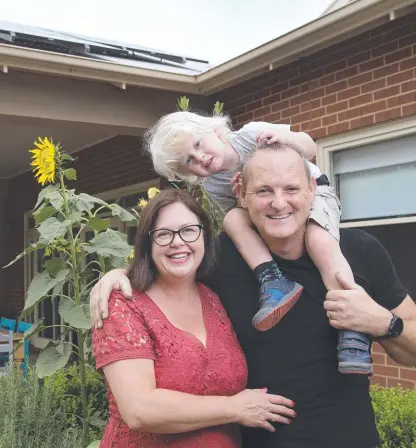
(368, 79)
(109, 165)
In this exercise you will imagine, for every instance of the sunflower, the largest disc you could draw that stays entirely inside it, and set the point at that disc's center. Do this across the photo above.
(43, 160)
(152, 192)
(142, 203)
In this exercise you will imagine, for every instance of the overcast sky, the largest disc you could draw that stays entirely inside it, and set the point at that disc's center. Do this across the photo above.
(214, 30)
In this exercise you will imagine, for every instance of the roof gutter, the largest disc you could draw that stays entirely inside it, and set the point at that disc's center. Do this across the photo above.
(321, 33)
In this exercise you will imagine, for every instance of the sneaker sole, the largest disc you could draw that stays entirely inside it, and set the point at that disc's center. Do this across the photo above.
(271, 319)
(355, 368)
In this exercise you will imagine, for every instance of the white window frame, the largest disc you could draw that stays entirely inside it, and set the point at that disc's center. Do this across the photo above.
(31, 235)
(326, 147)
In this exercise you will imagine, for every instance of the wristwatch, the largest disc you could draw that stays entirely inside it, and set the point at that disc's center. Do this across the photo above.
(395, 329)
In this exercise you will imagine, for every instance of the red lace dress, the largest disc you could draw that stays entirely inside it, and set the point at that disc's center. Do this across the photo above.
(138, 329)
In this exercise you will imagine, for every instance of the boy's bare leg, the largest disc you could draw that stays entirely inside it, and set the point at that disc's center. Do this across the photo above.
(326, 254)
(277, 293)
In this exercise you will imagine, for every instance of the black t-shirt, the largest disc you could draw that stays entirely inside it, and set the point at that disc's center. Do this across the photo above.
(298, 357)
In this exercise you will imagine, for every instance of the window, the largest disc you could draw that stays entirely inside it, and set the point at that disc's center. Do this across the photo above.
(374, 173)
(48, 309)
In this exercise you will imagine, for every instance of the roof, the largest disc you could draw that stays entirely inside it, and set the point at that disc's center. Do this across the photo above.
(101, 49)
(336, 4)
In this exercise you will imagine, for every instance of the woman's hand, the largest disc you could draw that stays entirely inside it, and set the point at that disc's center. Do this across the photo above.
(115, 279)
(256, 408)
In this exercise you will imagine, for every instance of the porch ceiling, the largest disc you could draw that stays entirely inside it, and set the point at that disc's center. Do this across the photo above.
(77, 113)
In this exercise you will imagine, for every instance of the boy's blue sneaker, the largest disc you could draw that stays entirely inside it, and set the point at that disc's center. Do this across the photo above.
(276, 298)
(354, 353)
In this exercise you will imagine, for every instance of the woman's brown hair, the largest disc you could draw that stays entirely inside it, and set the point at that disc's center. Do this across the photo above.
(142, 272)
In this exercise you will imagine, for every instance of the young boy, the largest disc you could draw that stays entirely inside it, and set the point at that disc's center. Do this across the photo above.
(190, 146)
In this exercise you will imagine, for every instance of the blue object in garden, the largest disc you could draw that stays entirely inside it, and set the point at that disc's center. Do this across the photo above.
(8, 324)
(21, 328)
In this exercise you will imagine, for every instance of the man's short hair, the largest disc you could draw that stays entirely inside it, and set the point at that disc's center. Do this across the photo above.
(277, 146)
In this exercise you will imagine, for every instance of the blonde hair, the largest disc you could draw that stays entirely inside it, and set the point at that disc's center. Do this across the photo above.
(165, 139)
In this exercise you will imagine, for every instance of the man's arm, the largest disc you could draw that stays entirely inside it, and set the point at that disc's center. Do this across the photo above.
(403, 348)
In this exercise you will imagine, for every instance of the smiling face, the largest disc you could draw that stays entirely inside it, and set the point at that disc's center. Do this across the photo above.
(177, 260)
(278, 195)
(202, 156)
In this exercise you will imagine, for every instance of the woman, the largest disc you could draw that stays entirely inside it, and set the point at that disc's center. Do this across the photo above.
(174, 369)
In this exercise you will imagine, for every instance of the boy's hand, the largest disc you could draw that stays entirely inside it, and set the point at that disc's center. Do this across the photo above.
(234, 181)
(300, 140)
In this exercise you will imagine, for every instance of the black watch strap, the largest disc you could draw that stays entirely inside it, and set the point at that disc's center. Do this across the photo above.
(395, 328)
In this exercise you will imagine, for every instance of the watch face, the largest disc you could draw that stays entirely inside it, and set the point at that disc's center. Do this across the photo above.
(397, 328)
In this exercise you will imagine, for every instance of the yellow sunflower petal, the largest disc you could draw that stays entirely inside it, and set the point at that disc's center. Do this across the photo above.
(152, 192)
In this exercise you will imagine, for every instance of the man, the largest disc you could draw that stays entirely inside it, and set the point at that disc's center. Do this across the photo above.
(297, 358)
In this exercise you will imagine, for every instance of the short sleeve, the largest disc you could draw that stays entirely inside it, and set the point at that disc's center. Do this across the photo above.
(387, 288)
(124, 334)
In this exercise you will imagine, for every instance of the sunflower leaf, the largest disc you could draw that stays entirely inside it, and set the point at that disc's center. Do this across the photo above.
(45, 193)
(110, 244)
(43, 212)
(65, 156)
(54, 265)
(70, 174)
(78, 316)
(53, 358)
(41, 284)
(52, 228)
(98, 223)
(124, 215)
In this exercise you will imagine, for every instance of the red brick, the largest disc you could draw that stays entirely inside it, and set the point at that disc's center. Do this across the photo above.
(300, 118)
(371, 65)
(409, 110)
(329, 99)
(388, 115)
(326, 80)
(342, 105)
(379, 358)
(348, 93)
(360, 57)
(336, 66)
(253, 106)
(336, 87)
(392, 372)
(318, 133)
(263, 111)
(402, 99)
(384, 49)
(329, 119)
(386, 93)
(261, 94)
(408, 374)
(349, 114)
(318, 93)
(377, 348)
(408, 63)
(290, 92)
(391, 362)
(340, 127)
(295, 128)
(238, 110)
(378, 381)
(400, 77)
(408, 86)
(374, 107)
(360, 79)
(273, 118)
(312, 124)
(271, 99)
(317, 113)
(304, 88)
(403, 383)
(359, 100)
(279, 87)
(280, 106)
(245, 117)
(346, 73)
(386, 71)
(290, 112)
(299, 99)
(373, 85)
(399, 55)
(410, 39)
(362, 122)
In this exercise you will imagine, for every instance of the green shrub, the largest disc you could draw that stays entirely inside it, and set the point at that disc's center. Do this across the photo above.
(30, 417)
(395, 411)
(66, 387)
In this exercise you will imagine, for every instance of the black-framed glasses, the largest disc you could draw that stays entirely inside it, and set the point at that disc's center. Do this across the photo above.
(188, 234)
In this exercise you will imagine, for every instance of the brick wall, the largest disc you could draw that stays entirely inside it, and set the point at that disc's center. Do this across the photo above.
(112, 164)
(367, 79)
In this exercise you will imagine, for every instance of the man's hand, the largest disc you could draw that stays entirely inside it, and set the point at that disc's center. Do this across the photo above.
(115, 279)
(353, 309)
